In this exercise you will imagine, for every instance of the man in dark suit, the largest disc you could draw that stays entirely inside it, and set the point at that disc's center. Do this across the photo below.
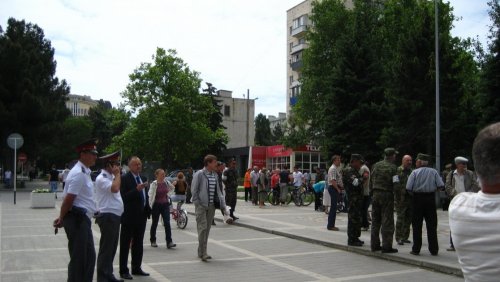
(135, 215)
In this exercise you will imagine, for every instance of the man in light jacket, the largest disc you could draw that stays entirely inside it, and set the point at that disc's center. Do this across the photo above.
(205, 192)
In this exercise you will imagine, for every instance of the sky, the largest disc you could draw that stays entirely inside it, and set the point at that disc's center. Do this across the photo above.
(234, 44)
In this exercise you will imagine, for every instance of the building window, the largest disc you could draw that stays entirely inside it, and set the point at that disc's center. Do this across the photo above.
(227, 110)
(300, 21)
(295, 91)
(291, 79)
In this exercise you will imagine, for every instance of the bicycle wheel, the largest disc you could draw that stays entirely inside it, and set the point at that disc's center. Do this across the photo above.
(271, 198)
(182, 219)
(288, 198)
(307, 198)
(297, 199)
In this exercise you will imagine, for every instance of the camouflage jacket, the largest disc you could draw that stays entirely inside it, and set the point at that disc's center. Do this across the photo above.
(231, 178)
(384, 175)
(350, 177)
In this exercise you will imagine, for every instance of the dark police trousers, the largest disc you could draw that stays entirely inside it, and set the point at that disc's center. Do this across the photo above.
(109, 224)
(80, 245)
(424, 207)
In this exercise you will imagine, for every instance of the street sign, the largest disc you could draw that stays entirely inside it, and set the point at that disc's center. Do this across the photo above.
(22, 157)
(15, 141)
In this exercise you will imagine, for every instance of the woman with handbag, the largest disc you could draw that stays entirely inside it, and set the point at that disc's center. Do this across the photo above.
(158, 200)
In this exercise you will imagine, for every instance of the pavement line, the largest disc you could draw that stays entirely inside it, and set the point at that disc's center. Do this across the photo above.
(196, 261)
(250, 239)
(380, 274)
(304, 254)
(265, 259)
(274, 221)
(35, 271)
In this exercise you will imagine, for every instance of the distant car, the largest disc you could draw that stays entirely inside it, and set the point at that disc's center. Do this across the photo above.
(172, 176)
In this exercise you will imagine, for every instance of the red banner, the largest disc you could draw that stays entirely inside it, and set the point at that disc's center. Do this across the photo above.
(259, 157)
(278, 151)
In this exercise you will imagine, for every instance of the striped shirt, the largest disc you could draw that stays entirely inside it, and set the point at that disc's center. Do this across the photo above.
(212, 182)
(424, 180)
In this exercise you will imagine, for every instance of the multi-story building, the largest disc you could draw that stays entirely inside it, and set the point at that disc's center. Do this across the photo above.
(280, 119)
(237, 116)
(297, 23)
(79, 105)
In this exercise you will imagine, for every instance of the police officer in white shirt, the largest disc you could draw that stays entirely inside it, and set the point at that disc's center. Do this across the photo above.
(110, 208)
(76, 211)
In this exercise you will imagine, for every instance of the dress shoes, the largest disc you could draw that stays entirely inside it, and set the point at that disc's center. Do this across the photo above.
(154, 245)
(406, 241)
(171, 245)
(376, 248)
(126, 276)
(415, 253)
(389, 251)
(205, 258)
(451, 249)
(333, 228)
(114, 279)
(235, 218)
(355, 244)
(139, 272)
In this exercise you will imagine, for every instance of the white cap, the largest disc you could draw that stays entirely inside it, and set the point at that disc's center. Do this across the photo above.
(461, 160)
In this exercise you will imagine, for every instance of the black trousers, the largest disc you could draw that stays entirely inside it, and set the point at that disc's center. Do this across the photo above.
(164, 211)
(318, 200)
(132, 233)
(109, 224)
(424, 208)
(248, 194)
(80, 246)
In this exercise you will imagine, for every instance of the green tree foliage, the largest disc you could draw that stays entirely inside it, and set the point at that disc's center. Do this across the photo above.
(278, 134)
(32, 98)
(368, 80)
(490, 88)
(215, 123)
(107, 122)
(172, 117)
(263, 135)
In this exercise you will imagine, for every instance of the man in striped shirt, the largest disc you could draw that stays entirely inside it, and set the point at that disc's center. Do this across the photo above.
(205, 193)
(423, 183)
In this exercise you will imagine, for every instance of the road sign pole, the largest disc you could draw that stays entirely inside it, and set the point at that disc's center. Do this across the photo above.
(15, 169)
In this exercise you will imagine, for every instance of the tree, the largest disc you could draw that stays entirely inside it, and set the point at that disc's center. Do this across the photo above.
(490, 81)
(263, 136)
(172, 122)
(32, 99)
(278, 134)
(215, 123)
(107, 122)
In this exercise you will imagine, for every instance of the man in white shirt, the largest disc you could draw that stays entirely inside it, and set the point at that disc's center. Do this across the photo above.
(110, 207)
(77, 209)
(298, 177)
(475, 217)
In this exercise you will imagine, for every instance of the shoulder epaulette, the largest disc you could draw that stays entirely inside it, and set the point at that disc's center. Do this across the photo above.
(83, 170)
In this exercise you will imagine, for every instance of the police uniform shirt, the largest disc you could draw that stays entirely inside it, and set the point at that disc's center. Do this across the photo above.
(424, 180)
(107, 201)
(80, 184)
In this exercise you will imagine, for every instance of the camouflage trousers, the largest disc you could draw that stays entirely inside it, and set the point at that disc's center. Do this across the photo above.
(382, 219)
(354, 216)
(404, 218)
(231, 197)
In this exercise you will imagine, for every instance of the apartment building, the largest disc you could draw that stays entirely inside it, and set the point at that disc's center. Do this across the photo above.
(237, 116)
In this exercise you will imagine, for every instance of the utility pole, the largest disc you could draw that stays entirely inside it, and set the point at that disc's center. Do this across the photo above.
(248, 118)
(438, 126)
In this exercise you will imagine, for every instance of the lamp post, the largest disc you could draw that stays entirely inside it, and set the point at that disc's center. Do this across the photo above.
(438, 126)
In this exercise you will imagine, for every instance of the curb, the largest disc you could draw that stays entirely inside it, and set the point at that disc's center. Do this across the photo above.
(408, 261)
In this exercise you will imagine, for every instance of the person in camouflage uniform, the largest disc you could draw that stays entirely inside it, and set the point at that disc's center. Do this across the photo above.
(403, 202)
(383, 178)
(231, 182)
(353, 182)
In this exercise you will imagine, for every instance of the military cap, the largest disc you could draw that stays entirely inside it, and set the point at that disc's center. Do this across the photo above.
(113, 157)
(461, 160)
(356, 157)
(390, 151)
(423, 157)
(88, 146)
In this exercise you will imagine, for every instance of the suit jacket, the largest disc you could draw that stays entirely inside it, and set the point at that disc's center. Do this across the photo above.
(134, 210)
(470, 183)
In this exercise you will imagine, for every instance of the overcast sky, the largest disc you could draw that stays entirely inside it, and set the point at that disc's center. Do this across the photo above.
(235, 44)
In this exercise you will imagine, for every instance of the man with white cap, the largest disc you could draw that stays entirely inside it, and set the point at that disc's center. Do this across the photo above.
(458, 181)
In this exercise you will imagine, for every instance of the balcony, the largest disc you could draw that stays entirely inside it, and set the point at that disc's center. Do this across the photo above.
(293, 100)
(296, 65)
(294, 83)
(299, 47)
(299, 31)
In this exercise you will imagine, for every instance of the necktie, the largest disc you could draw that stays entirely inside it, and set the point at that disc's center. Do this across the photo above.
(138, 180)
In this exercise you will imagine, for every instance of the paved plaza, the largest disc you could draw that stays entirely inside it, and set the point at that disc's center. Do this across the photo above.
(269, 244)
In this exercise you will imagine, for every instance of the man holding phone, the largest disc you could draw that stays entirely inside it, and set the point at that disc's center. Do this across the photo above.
(110, 209)
(136, 212)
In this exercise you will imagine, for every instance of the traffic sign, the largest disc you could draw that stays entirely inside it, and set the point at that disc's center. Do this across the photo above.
(22, 157)
(15, 141)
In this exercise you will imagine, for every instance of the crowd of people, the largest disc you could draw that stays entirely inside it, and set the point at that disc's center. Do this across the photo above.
(123, 202)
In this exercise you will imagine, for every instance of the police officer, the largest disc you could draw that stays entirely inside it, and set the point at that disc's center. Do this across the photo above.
(423, 183)
(403, 202)
(231, 182)
(382, 181)
(77, 209)
(353, 182)
(110, 207)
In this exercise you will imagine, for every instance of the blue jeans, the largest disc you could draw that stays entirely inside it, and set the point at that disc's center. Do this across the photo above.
(53, 186)
(332, 215)
(164, 211)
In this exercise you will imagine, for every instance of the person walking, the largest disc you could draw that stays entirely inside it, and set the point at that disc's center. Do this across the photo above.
(231, 183)
(475, 217)
(205, 192)
(458, 181)
(180, 188)
(334, 186)
(382, 181)
(365, 172)
(403, 202)
(7, 178)
(158, 201)
(247, 185)
(76, 212)
(254, 176)
(134, 218)
(422, 183)
(53, 180)
(262, 185)
(353, 182)
(110, 209)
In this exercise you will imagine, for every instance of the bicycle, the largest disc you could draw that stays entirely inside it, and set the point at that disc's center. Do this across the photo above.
(179, 214)
(293, 194)
(341, 202)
